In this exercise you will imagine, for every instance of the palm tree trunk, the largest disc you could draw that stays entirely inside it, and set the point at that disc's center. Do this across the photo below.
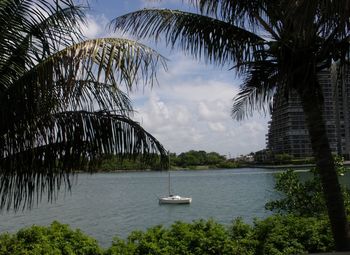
(312, 104)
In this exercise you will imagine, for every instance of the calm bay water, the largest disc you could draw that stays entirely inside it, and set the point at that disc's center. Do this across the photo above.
(109, 204)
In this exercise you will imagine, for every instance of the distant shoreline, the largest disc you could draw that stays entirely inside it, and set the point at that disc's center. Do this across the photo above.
(289, 166)
(198, 168)
(201, 168)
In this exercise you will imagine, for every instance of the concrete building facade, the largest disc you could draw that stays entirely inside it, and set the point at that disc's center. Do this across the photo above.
(287, 129)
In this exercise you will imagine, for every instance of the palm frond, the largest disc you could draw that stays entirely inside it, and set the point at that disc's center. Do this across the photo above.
(50, 149)
(110, 60)
(64, 103)
(327, 14)
(214, 40)
(231, 10)
(32, 31)
(334, 15)
(257, 90)
(91, 70)
(95, 96)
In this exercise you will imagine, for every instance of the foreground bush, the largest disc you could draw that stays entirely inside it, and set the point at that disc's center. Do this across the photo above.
(303, 197)
(199, 237)
(290, 234)
(57, 239)
(276, 235)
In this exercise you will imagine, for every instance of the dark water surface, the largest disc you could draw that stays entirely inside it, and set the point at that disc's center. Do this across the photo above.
(109, 204)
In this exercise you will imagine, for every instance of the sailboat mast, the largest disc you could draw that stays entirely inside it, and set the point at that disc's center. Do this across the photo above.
(168, 160)
(169, 173)
(169, 184)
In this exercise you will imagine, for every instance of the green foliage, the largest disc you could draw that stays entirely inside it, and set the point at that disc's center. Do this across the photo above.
(304, 198)
(282, 235)
(276, 235)
(242, 235)
(286, 159)
(193, 159)
(190, 160)
(300, 161)
(228, 164)
(299, 198)
(288, 234)
(283, 158)
(199, 237)
(107, 163)
(57, 239)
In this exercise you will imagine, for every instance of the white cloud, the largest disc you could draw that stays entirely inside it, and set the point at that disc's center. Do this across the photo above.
(213, 110)
(217, 126)
(157, 115)
(191, 110)
(169, 122)
(95, 26)
(159, 3)
(182, 115)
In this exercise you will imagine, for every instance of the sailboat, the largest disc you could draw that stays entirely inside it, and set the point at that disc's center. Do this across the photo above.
(174, 199)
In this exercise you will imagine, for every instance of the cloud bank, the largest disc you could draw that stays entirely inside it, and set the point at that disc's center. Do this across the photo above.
(190, 109)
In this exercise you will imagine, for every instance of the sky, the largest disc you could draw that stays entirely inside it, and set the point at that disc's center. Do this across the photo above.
(190, 107)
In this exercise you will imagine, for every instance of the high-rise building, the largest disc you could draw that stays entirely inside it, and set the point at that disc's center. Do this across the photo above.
(287, 128)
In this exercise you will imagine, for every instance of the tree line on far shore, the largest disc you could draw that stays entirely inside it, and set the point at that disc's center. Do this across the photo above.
(201, 159)
(186, 160)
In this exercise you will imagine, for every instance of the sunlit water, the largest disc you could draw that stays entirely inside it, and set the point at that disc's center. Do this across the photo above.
(110, 204)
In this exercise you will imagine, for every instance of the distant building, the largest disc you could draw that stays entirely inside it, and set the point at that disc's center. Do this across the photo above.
(245, 158)
(262, 156)
(287, 129)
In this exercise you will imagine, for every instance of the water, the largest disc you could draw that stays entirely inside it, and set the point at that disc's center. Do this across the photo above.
(109, 204)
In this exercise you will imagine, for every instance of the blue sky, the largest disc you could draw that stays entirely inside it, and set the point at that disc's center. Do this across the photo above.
(190, 109)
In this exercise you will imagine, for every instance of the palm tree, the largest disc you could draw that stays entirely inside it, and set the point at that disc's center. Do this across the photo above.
(62, 103)
(271, 44)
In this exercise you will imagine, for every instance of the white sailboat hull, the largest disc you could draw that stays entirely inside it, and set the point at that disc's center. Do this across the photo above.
(175, 200)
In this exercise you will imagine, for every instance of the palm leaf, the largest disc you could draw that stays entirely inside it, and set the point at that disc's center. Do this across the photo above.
(123, 61)
(216, 41)
(60, 81)
(53, 147)
(238, 12)
(49, 96)
(33, 31)
(257, 90)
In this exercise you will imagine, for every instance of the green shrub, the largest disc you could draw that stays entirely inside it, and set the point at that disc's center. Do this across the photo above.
(200, 237)
(304, 198)
(282, 235)
(289, 234)
(276, 235)
(242, 235)
(57, 239)
(228, 164)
